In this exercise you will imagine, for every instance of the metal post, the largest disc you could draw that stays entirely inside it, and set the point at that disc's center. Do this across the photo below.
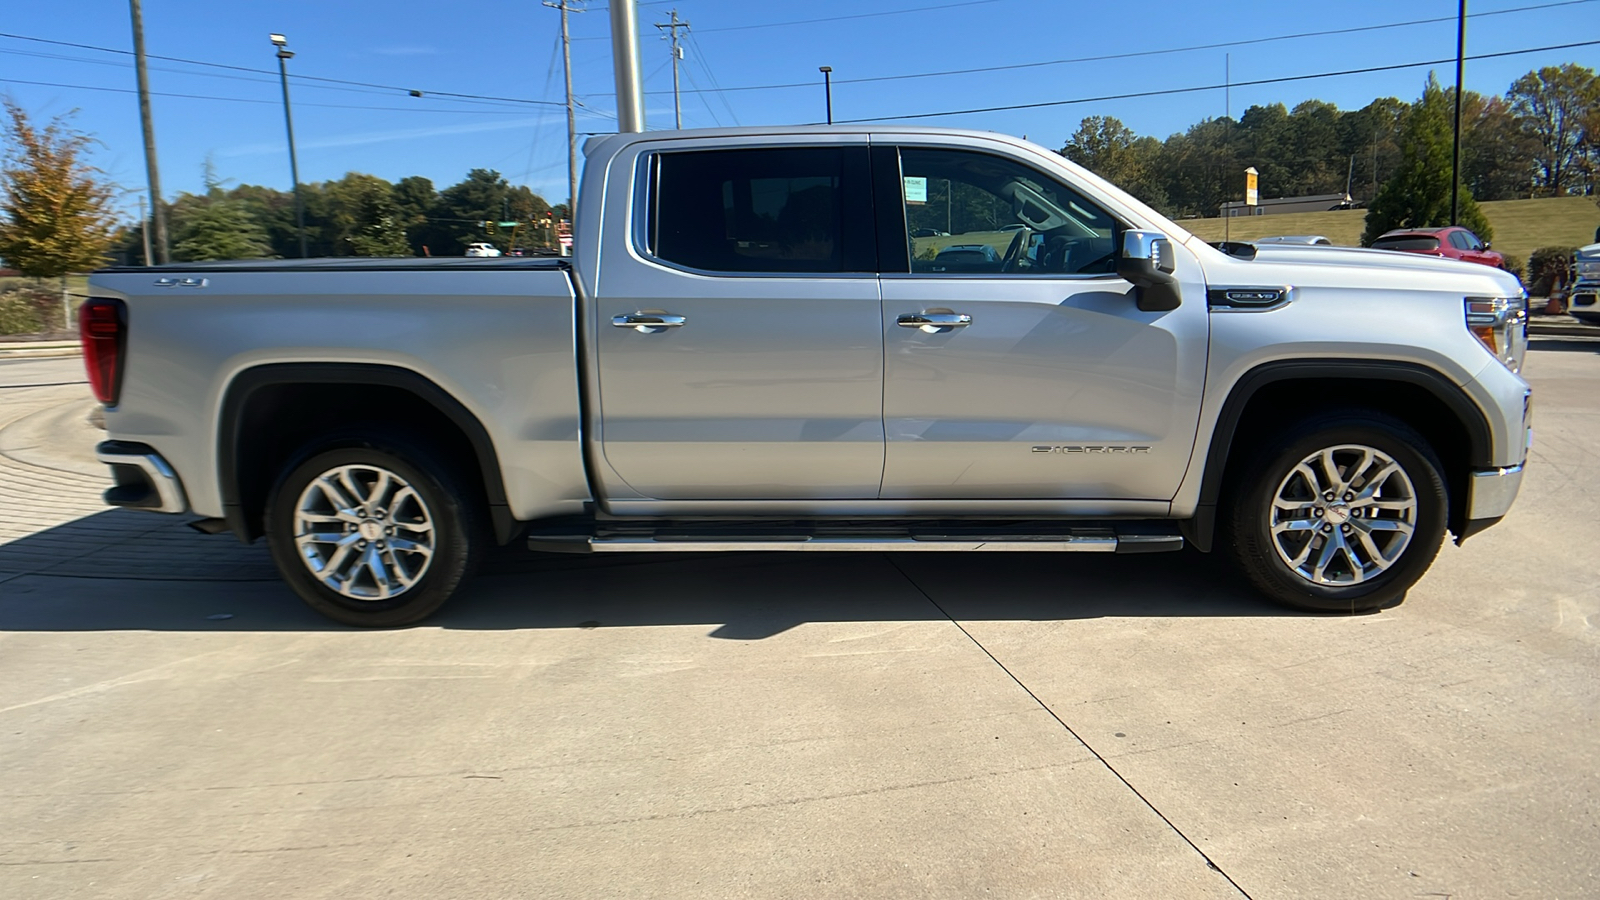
(625, 65)
(1455, 150)
(827, 88)
(677, 54)
(572, 120)
(158, 215)
(284, 54)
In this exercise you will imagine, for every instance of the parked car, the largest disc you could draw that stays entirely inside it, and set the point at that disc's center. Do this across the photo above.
(485, 251)
(1585, 303)
(1312, 240)
(741, 355)
(1453, 242)
(967, 255)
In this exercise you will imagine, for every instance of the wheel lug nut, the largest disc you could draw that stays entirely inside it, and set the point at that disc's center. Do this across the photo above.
(1349, 495)
(1345, 528)
(1317, 511)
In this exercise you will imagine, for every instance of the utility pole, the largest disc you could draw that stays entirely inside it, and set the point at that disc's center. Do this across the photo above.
(284, 55)
(1455, 150)
(827, 89)
(625, 66)
(144, 231)
(572, 120)
(677, 54)
(157, 213)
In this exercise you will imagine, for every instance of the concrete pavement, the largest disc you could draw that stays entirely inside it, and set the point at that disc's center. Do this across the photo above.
(913, 725)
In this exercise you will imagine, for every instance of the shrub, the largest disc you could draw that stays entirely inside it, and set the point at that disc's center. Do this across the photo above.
(24, 310)
(1515, 265)
(1545, 266)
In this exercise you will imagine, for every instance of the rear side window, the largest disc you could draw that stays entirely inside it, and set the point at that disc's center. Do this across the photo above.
(1407, 242)
(781, 210)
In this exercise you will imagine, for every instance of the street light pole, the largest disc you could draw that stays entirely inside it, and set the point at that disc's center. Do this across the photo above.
(1455, 149)
(285, 54)
(827, 88)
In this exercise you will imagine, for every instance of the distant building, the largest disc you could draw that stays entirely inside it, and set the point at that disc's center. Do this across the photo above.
(1314, 203)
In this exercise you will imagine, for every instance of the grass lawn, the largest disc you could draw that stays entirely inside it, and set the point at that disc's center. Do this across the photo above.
(1520, 226)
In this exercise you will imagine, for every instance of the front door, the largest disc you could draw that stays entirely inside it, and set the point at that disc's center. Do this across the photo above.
(740, 344)
(1016, 363)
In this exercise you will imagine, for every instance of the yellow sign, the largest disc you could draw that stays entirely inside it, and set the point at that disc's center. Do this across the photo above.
(1251, 197)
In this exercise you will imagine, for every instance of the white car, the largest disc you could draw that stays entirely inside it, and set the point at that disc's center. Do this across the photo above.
(483, 250)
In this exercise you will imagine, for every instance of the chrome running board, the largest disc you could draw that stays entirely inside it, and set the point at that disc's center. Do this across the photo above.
(1082, 540)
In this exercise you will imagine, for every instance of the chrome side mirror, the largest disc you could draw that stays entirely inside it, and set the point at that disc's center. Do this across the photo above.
(1147, 262)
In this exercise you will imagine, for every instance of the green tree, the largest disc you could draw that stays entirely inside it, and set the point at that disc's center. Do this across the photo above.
(55, 209)
(414, 197)
(215, 225)
(1418, 195)
(364, 218)
(218, 229)
(1110, 149)
(1552, 104)
(1496, 154)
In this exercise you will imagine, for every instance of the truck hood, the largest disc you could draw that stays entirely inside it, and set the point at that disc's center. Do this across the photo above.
(1312, 266)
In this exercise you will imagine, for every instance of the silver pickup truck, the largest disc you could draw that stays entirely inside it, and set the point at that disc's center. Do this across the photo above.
(835, 339)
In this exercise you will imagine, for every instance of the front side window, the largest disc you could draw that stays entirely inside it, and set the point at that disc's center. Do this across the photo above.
(972, 213)
(762, 210)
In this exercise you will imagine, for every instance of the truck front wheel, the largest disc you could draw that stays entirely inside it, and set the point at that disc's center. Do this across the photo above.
(1343, 514)
(372, 531)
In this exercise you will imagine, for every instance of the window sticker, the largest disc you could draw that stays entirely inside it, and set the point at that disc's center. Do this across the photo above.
(916, 190)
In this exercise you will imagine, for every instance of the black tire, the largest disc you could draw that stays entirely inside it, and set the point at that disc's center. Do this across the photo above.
(1245, 524)
(459, 531)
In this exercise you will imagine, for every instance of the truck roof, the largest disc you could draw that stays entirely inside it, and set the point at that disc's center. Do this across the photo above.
(756, 131)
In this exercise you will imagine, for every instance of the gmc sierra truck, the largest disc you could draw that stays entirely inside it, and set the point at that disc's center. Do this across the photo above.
(823, 339)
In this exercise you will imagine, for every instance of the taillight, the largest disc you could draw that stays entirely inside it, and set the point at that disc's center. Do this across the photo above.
(103, 328)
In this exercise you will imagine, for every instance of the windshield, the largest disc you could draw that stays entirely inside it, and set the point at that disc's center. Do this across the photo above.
(1406, 242)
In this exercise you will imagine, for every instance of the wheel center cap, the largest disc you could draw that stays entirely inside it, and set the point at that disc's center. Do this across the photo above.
(1337, 514)
(371, 529)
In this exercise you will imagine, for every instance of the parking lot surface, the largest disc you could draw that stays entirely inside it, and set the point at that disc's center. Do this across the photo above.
(174, 723)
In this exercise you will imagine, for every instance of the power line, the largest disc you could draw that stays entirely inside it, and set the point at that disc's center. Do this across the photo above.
(829, 19)
(1217, 87)
(113, 90)
(254, 71)
(1243, 42)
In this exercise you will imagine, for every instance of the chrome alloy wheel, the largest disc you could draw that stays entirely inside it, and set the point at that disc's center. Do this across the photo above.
(364, 531)
(1343, 515)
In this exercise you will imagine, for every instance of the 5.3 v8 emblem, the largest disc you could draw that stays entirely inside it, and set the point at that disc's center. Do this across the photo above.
(1088, 448)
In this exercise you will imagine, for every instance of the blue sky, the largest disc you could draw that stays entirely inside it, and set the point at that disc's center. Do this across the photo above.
(510, 49)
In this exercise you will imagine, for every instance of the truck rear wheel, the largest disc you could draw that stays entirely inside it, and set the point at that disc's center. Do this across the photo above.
(372, 531)
(1343, 514)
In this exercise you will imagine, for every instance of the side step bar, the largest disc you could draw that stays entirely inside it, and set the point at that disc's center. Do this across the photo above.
(1081, 541)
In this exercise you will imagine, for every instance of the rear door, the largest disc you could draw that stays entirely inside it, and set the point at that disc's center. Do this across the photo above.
(739, 340)
(1017, 365)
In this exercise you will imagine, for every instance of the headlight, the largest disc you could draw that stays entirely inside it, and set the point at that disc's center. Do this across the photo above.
(1589, 268)
(1501, 325)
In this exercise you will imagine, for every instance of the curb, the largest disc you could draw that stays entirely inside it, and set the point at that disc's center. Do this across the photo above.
(44, 351)
(1564, 330)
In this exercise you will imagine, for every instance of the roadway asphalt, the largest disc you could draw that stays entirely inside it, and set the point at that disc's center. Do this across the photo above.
(173, 723)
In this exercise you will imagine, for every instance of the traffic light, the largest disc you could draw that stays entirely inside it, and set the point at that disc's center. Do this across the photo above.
(488, 227)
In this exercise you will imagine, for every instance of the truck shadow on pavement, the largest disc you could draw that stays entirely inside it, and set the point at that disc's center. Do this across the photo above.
(122, 570)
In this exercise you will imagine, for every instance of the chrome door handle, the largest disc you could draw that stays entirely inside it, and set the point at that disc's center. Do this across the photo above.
(932, 322)
(648, 322)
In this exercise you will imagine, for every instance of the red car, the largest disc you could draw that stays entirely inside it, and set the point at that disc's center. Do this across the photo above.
(1453, 242)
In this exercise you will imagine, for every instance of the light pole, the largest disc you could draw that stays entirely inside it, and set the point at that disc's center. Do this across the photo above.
(1455, 145)
(285, 54)
(827, 88)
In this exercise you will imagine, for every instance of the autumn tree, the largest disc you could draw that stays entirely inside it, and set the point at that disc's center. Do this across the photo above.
(1418, 195)
(1552, 105)
(55, 209)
